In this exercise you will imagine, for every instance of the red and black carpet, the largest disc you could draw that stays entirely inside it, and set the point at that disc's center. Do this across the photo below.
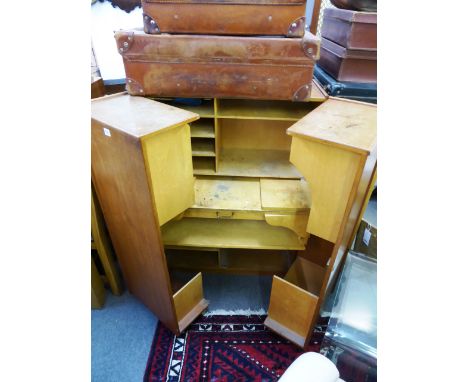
(223, 349)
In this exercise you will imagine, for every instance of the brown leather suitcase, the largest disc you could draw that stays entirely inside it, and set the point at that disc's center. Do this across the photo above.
(225, 17)
(350, 29)
(346, 64)
(218, 66)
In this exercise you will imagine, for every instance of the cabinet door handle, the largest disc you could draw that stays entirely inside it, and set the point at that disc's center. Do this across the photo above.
(224, 214)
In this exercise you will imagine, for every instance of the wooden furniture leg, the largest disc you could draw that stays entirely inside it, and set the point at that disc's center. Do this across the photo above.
(103, 246)
(98, 293)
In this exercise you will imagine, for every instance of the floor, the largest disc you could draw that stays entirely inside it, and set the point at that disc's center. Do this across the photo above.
(123, 330)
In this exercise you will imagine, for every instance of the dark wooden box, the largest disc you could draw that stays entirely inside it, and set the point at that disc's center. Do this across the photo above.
(348, 65)
(350, 29)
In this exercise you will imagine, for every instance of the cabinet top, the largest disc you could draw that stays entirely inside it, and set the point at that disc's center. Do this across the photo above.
(138, 116)
(340, 122)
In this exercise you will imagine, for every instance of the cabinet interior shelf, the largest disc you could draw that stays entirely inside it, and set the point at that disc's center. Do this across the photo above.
(203, 128)
(245, 109)
(244, 261)
(204, 166)
(256, 163)
(203, 147)
(214, 233)
(251, 194)
(268, 110)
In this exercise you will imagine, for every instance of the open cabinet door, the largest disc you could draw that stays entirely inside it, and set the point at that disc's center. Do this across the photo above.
(142, 172)
(334, 147)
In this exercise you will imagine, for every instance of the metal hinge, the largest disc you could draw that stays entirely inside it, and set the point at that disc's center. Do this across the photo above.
(150, 25)
(302, 93)
(311, 46)
(124, 40)
(297, 28)
(134, 88)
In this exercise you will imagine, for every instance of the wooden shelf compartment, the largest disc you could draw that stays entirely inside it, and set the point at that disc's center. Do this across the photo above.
(202, 128)
(203, 165)
(220, 233)
(269, 110)
(255, 148)
(257, 261)
(203, 259)
(239, 261)
(227, 193)
(189, 301)
(205, 108)
(279, 202)
(251, 194)
(297, 292)
(202, 147)
(257, 163)
(285, 194)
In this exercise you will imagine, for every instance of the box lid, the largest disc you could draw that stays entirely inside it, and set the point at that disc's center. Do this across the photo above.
(340, 122)
(350, 16)
(138, 116)
(342, 52)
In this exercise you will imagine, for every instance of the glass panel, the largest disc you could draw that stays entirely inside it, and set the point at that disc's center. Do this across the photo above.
(353, 320)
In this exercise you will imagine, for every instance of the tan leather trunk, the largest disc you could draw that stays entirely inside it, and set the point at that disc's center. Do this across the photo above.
(348, 65)
(218, 66)
(350, 29)
(225, 17)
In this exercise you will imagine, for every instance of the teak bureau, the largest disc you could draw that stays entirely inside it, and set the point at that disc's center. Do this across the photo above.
(260, 186)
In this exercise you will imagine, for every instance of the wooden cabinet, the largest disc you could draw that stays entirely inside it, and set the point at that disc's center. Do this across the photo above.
(237, 189)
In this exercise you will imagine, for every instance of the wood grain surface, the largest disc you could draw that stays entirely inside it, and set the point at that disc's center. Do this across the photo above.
(119, 176)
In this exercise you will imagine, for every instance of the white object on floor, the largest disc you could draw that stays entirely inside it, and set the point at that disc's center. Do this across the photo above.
(244, 312)
(311, 367)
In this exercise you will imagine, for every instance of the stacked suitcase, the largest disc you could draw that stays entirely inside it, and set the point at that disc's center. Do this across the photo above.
(256, 49)
(349, 54)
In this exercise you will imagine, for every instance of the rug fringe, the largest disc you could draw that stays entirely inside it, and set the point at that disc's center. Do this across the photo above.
(243, 312)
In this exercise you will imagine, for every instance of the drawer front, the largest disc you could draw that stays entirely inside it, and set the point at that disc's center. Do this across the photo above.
(189, 302)
(292, 308)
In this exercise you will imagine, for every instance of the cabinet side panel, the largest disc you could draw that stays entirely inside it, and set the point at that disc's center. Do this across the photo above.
(357, 203)
(363, 194)
(168, 157)
(120, 180)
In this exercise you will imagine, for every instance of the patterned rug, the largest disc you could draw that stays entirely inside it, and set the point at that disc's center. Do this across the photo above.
(223, 349)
